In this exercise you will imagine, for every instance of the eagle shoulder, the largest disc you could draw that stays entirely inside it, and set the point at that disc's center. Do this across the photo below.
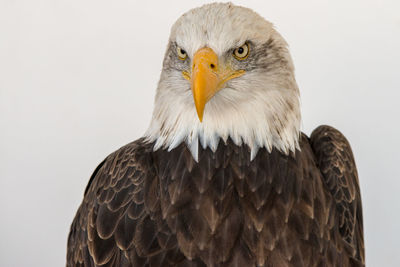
(115, 226)
(335, 160)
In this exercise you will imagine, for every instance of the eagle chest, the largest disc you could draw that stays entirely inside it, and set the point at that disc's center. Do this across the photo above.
(226, 206)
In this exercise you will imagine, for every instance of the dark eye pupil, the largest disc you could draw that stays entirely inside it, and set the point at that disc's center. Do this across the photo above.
(240, 50)
(183, 52)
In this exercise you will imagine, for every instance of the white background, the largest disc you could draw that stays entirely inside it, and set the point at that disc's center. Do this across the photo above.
(77, 81)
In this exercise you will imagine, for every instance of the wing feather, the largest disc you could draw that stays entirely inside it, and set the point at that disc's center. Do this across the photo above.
(117, 223)
(336, 163)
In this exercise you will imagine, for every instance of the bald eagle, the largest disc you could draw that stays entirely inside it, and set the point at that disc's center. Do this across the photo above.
(223, 176)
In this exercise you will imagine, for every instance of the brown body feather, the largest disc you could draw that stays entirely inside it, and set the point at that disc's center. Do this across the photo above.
(145, 208)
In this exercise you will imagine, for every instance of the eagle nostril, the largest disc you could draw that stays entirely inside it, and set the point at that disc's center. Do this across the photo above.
(212, 66)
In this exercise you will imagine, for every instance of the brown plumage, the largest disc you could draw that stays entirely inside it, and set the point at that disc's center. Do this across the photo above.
(160, 208)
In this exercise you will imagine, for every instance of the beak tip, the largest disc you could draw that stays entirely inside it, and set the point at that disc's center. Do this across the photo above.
(200, 110)
(200, 115)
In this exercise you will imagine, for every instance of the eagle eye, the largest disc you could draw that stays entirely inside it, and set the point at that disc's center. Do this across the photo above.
(181, 53)
(242, 52)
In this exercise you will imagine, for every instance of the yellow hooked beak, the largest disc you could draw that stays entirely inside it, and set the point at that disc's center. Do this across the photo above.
(207, 77)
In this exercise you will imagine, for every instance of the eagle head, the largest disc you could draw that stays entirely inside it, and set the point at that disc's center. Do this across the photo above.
(227, 73)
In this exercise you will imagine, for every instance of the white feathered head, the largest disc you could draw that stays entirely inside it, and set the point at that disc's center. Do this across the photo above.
(227, 73)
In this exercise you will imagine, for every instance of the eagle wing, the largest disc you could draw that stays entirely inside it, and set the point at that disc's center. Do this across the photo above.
(116, 224)
(336, 162)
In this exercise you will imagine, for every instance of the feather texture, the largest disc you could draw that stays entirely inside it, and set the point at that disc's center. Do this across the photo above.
(160, 208)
